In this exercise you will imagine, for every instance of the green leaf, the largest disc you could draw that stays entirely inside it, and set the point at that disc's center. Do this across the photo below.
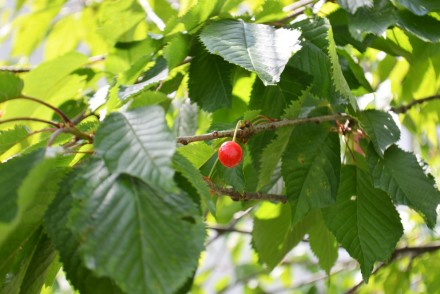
(402, 177)
(138, 142)
(39, 265)
(55, 223)
(425, 27)
(10, 86)
(353, 5)
(162, 233)
(374, 20)
(323, 243)
(45, 79)
(210, 81)
(381, 129)
(198, 153)
(116, 18)
(193, 175)
(364, 220)
(14, 173)
(310, 168)
(177, 50)
(273, 234)
(255, 47)
(9, 138)
(271, 156)
(420, 7)
(319, 59)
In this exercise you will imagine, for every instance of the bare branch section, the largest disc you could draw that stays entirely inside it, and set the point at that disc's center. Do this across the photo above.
(237, 196)
(405, 108)
(248, 132)
(399, 252)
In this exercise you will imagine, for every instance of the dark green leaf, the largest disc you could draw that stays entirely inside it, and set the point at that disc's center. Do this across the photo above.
(310, 167)
(193, 175)
(353, 5)
(374, 20)
(425, 27)
(255, 47)
(10, 86)
(273, 235)
(364, 220)
(162, 233)
(381, 129)
(55, 223)
(139, 143)
(210, 81)
(402, 177)
(176, 50)
(14, 173)
(421, 7)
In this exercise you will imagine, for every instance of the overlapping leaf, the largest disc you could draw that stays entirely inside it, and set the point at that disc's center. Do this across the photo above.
(255, 47)
(402, 177)
(381, 129)
(420, 7)
(353, 5)
(310, 168)
(146, 240)
(364, 220)
(10, 86)
(138, 142)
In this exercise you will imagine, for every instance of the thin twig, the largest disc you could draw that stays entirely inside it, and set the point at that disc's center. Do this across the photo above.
(30, 119)
(248, 132)
(60, 113)
(227, 229)
(413, 251)
(152, 15)
(405, 108)
(237, 196)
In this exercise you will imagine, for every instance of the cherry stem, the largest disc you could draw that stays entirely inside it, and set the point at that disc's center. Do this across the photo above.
(236, 129)
(30, 119)
(55, 109)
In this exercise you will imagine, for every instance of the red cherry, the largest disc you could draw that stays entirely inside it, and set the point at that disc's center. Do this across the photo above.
(230, 154)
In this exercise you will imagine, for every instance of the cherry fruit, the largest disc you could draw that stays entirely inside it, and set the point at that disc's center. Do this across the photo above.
(230, 154)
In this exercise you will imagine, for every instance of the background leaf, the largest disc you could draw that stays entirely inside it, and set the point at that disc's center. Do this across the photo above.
(255, 47)
(353, 5)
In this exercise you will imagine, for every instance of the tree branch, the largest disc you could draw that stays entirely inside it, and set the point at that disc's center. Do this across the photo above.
(405, 108)
(61, 114)
(237, 196)
(227, 229)
(413, 251)
(253, 130)
(30, 119)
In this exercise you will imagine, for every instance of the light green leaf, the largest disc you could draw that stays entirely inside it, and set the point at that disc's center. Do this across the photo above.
(425, 27)
(310, 167)
(323, 243)
(10, 86)
(45, 79)
(255, 47)
(176, 50)
(381, 129)
(55, 224)
(402, 177)
(374, 20)
(138, 142)
(271, 156)
(273, 235)
(198, 153)
(193, 175)
(9, 138)
(162, 233)
(364, 220)
(210, 81)
(420, 7)
(353, 5)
